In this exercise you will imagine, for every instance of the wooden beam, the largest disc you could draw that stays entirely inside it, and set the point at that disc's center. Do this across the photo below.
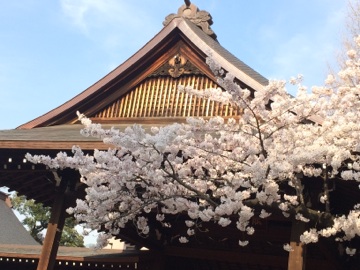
(296, 259)
(226, 256)
(54, 230)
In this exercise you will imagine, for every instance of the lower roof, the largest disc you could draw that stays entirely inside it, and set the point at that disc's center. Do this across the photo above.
(11, 229)
(62, 137)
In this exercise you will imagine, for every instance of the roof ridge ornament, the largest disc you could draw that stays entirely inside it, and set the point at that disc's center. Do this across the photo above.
(191, 12)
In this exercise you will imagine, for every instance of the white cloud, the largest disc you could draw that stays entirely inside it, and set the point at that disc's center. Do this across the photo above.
(76, 11)
(110, 24)
(92, 15)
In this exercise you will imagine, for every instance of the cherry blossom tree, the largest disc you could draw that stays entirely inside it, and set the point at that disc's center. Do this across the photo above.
(351, 29)
(228, 171)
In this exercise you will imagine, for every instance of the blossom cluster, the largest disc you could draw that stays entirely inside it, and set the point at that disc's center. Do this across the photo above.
(228, 171)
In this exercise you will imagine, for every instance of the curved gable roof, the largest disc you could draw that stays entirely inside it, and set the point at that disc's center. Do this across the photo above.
(178, 28)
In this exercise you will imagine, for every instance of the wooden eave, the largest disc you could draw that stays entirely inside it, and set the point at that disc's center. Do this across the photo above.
(197, 45)
(62, 137)
(59, 138)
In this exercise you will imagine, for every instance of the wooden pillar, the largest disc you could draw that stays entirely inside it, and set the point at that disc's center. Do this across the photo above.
(297, 259)
(53, 234)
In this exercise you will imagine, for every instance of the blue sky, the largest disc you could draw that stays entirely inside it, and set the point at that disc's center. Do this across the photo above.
(52, 50)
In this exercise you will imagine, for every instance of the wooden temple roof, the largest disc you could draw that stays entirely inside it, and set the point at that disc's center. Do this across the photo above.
(179, 38)
(143, 90)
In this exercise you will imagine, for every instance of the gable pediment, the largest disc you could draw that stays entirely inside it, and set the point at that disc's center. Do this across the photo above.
(158, 98)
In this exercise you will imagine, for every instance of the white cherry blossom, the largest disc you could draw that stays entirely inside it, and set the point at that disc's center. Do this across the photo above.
(226, 171)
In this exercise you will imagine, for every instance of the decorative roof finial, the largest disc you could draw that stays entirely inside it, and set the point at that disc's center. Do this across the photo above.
(189, 11)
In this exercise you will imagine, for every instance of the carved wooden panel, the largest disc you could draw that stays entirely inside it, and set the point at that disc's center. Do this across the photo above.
(159, 97)
(177, 66)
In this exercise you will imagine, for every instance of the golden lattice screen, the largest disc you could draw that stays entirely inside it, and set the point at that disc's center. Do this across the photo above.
(159, 97)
